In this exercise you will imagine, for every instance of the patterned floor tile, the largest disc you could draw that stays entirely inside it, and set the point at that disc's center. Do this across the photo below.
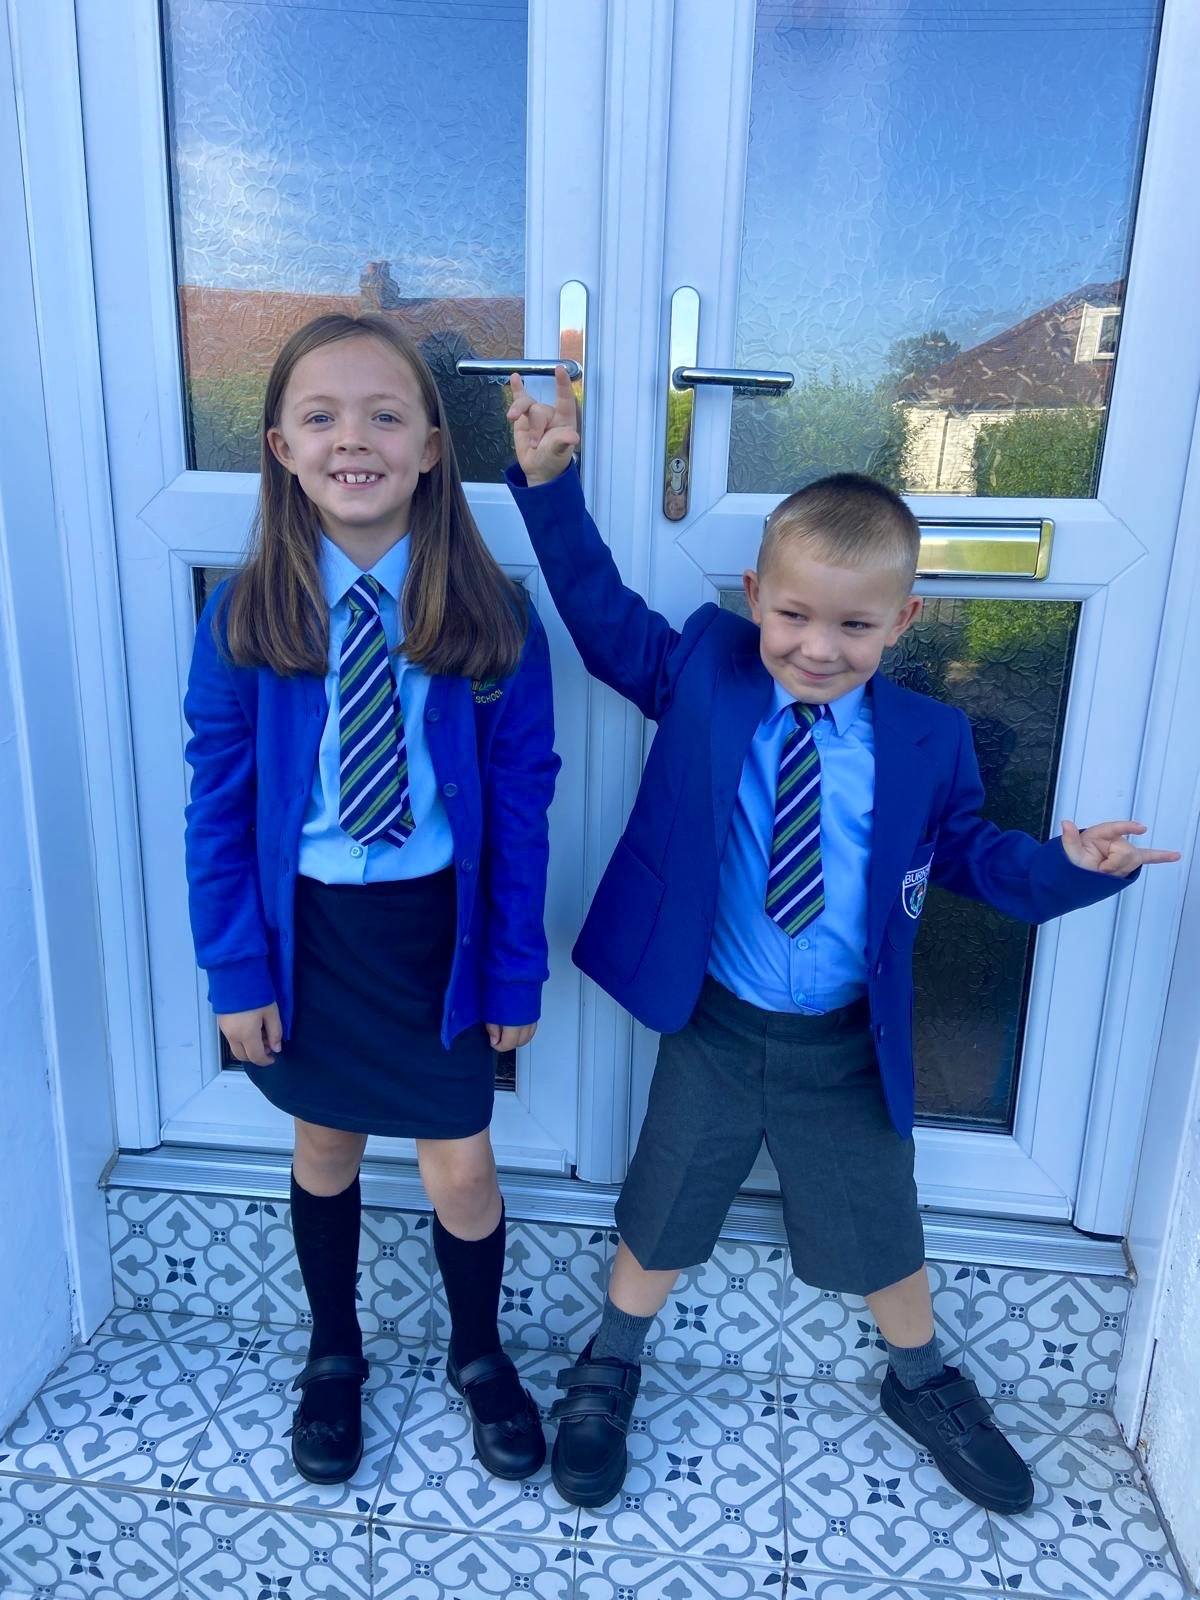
(1039, 1335)
(79, 1540)
(244, 1454)
(628, 1575)
(553, 1287)
(434, 1480)
(703, 1469)
(380, 1349)
(129, 1417)
(258, 1553)
(193, 1253)
(725, 1313)
(831, 1335)
(863, 1500)
(428, 1564)
(394, 1259)
(1092, 1529)
(171, 1327)
(1027, 1418)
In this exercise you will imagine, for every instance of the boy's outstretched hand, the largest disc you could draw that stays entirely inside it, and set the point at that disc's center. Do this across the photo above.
(545, 437)
(1103, 848)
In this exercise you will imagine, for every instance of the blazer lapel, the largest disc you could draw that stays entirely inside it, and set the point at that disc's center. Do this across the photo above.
(903, 790)
(740, 700)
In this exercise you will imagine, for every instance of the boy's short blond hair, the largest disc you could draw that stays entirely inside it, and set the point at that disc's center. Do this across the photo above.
(848, 520)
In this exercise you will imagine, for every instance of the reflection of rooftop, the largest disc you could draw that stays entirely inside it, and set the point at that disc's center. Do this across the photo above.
(228, 331)
(1041, 362)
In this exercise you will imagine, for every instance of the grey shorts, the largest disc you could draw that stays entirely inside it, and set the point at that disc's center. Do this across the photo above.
(810, 1086)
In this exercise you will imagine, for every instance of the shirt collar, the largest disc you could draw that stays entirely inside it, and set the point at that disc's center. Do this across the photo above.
(339, 574)
(843, 710)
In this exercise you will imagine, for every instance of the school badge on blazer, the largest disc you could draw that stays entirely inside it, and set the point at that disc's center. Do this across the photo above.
(486, 690)
(914, 888)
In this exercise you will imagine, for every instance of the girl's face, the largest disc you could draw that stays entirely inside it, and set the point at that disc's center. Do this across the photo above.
(353, 430)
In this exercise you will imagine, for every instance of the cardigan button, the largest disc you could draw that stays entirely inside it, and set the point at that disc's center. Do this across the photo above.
(466, 939)
(432, 714)
(449, 790)
(467, 866)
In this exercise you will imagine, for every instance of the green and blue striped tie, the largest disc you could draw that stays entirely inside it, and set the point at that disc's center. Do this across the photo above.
(795, 885)
(374, 760)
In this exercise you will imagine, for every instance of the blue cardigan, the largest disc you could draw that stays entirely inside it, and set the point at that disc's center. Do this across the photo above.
(648, 933)
(253, 752)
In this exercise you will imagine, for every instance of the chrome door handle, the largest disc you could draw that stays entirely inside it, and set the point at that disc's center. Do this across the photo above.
(572, 352)
(733, 378)
(686, 377)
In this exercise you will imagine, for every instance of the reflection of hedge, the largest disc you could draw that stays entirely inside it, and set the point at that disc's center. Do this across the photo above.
(1002, 630)
(832, 424)
(225, 415)
(1039, 453)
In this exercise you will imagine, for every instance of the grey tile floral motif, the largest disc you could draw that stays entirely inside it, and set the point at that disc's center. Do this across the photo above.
(552, 1291)
(830, 1335)
(424, 1564)
(863, 1499)
(76, 1540)
(434, 1480)
(1092, 1528)
(725, 1313)
(703, 1475)
(636, 1575)
(170, 1327)
(244, 1453)
(258, 1553)
(1028, 1418)
(130, 1415)
(1039, 1336)
(394, 1263)
(193, 1253)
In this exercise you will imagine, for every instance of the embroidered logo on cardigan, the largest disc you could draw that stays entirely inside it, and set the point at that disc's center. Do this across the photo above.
(486, 691)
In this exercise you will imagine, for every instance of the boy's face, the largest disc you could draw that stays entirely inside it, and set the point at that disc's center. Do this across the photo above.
(824, 628)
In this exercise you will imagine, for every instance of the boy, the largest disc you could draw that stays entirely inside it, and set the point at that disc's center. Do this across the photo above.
(760, 912)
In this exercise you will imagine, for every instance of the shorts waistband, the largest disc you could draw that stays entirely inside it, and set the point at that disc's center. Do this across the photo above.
(723, 1005)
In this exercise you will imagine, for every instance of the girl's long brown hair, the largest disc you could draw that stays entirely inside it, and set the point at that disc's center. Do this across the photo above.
(462, 616)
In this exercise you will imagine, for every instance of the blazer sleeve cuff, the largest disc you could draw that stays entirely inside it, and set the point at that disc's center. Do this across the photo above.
(1073, 887)
(240, 985)
(511, 1005)
(545, 502)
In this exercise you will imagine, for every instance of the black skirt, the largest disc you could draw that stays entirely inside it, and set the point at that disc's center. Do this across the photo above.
(364, 1053)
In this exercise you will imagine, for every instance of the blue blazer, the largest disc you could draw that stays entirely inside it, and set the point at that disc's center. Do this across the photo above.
(253, 752)
(648, 932)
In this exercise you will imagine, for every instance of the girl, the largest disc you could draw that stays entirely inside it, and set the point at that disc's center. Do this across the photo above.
(372, 759)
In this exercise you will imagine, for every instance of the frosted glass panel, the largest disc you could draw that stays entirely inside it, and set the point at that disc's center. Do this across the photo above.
(1007, 664)
(939, 205)
(346, 156)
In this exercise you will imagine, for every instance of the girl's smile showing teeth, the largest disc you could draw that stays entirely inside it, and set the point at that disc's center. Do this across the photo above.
(357, 477)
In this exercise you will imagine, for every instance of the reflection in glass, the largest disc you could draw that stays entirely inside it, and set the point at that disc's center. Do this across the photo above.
(339, 157)
(204, 581)
(1007, 664)
(939, 205)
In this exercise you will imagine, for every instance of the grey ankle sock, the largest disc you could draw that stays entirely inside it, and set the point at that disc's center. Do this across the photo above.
(620, 1335)
(916, 1364)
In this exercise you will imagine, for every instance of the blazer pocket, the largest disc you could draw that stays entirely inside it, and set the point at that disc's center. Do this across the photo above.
(905, 916)
(625, 910)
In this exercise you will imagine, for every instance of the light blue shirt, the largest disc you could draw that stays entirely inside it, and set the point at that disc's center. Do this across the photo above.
(326, 851)
(825, 965)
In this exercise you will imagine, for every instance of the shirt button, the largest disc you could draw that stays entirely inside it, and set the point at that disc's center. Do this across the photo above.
(879, 969)
(356, 850)
(432, 714)
(879, 1030)
(467, 866)
(449, 790)
(466, 939)
(801, 944)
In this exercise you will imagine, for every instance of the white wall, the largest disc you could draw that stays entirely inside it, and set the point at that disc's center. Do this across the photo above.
(35, 1305)
(1171, 1425)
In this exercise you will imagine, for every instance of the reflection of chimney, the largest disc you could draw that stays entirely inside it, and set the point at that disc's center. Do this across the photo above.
(377, 289)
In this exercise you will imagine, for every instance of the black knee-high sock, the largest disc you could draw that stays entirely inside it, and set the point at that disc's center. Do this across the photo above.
(471, 1271)
(326, 1230)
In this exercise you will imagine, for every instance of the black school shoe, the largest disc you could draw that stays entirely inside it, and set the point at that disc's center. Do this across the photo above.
(514, 1448)
(590, 1459)
(954, 1422)
(329, 1452)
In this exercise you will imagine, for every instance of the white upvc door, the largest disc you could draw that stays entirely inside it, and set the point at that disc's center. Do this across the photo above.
(249, 166)
(837, 181)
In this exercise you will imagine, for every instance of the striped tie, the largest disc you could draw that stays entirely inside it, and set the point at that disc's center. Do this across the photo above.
(374, 761)
(795, 886)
